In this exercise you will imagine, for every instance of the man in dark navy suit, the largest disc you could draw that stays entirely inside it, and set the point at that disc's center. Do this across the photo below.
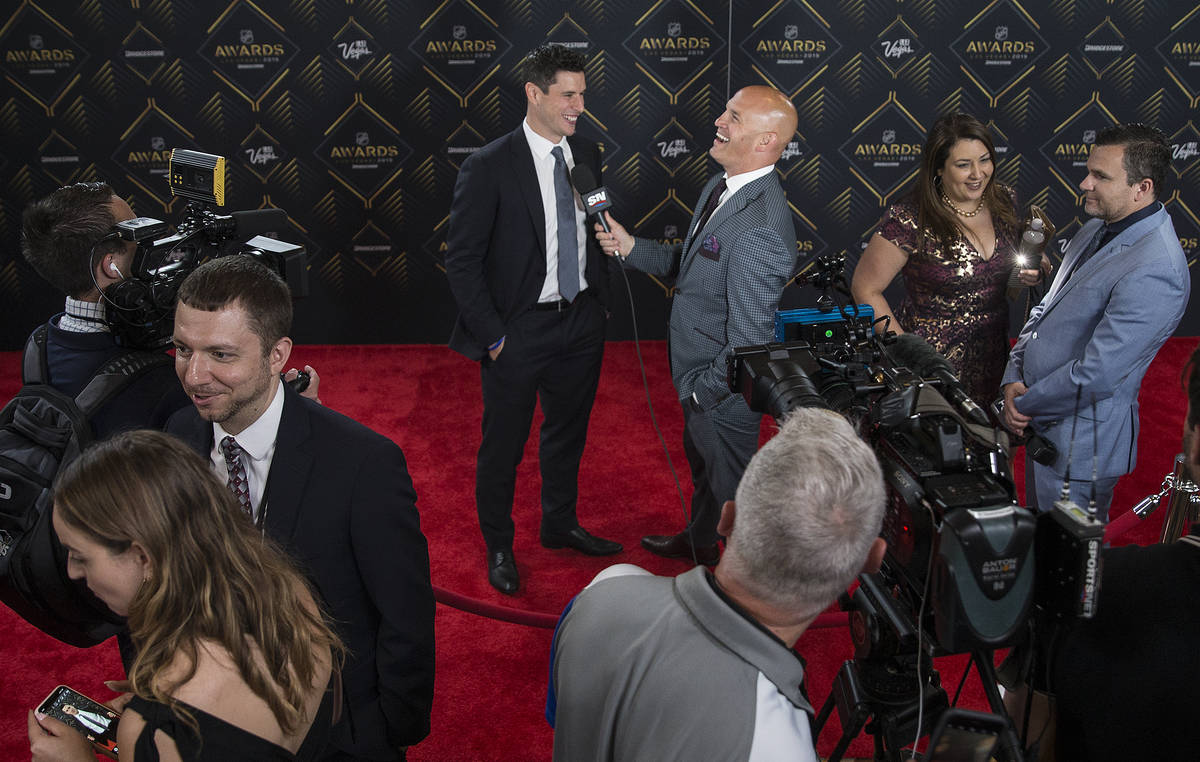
(530, 289)
(336, 495)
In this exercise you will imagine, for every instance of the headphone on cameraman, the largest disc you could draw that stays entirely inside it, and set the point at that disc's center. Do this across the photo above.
(134, 311)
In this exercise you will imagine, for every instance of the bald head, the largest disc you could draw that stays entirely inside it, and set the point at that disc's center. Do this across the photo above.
(757, 124)
(775, 108)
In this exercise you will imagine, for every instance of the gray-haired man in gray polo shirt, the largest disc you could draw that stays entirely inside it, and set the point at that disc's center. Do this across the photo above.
(701, 666)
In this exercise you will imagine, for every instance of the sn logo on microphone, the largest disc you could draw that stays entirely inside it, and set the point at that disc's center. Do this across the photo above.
(597, 201)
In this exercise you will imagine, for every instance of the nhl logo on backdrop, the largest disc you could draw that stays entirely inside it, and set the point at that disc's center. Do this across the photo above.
(998, 48)
(1180, 51)
(363, 150)
(40, 56)
(1070, 143)
(460, 47)
(884, 150)
(674, 43)
(789, 54)
(146, 150)
(248, 50)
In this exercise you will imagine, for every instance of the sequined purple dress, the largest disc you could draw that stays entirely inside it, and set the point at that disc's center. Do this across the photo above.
(956, 300)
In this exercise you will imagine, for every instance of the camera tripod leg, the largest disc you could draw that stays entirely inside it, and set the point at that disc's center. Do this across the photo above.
(1009, 746)
(853, 711)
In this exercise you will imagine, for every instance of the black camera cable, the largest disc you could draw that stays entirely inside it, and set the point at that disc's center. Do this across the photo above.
(650, 405)
(110, 236)
(920, 632)
(1066, 488)
(1091, 507)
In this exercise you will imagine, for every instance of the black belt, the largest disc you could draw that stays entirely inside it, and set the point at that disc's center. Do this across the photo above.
(558, 305)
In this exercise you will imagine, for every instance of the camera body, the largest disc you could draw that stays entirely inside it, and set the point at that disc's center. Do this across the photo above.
(142, 306)
(960, 559)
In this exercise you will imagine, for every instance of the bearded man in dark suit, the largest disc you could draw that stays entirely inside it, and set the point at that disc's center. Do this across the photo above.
(530, 293)
(336, 495)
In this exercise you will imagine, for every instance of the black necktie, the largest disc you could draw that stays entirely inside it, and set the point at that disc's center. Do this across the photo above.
(568, 245)
(710, 206)
(1089, 250)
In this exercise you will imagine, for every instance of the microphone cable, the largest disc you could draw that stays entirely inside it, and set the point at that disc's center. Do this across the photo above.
(650, 406)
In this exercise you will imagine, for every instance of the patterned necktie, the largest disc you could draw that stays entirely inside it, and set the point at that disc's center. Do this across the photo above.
(710, 206)
(238, 484)
(568, 246)
(1089, 250)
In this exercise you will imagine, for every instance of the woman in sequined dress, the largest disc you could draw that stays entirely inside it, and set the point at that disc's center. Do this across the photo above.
(951, 237)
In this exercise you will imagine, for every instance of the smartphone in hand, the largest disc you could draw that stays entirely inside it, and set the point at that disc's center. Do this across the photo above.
(95, 721)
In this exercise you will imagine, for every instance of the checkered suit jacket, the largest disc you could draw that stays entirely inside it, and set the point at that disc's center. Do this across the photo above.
(728, 280)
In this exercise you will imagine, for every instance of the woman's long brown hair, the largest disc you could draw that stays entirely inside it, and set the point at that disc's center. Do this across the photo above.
(214, 577)
(932, 214)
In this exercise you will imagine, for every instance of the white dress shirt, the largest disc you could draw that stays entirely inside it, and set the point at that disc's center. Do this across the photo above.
(543, 163)
(258, 449)
(737, 182)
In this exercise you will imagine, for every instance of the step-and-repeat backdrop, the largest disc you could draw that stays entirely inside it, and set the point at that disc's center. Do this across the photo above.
(354, 116)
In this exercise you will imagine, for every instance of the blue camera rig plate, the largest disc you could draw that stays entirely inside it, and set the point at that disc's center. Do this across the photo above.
(815, 325)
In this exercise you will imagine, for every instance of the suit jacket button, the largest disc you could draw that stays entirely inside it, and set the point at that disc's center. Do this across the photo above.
(1035, 334)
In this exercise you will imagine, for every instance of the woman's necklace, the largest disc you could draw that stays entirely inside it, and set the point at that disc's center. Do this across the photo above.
(946, 200)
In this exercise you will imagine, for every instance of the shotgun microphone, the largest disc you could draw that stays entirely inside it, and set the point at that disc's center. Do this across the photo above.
(254, 222)
(913, 352)
(595, 197)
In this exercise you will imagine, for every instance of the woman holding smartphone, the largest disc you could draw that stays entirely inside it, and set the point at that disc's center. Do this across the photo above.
(234, 659)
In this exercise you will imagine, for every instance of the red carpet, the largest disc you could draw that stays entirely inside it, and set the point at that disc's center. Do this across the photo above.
(491, 675)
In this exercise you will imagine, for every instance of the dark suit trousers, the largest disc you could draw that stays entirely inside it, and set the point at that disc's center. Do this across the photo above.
(552, 357)
(719, 444)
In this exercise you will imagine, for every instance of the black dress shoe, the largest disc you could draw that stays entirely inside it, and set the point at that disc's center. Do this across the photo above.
(502, 572)
(582, 540)
(680, 546)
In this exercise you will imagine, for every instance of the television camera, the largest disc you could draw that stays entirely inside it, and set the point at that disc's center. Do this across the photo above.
(142, 306)
(959, 575)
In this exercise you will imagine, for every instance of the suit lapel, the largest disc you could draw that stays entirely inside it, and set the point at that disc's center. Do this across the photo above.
(197, 432)
(704, 194)
(1113, 248)
(290, 469)
(527, 185)
(732, 206)
(1074, 249)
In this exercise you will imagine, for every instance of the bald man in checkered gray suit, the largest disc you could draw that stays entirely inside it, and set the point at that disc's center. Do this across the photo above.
(739, 253)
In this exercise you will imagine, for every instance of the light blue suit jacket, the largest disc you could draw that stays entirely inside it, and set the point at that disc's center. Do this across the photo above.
(1098, 330)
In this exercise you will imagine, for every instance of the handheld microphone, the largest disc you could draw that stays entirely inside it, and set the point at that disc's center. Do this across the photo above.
(595, 197)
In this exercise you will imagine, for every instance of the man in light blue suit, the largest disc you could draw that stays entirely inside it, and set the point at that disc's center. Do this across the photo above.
(729, 274)
(1075, 370)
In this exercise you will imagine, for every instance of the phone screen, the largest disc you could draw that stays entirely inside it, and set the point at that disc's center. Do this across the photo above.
(964, 736)
(963, 745)
(95, 721)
